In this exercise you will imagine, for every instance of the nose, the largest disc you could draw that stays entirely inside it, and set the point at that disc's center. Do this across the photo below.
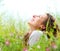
(34, 16)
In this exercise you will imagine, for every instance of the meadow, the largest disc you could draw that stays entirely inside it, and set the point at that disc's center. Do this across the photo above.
(12, 33)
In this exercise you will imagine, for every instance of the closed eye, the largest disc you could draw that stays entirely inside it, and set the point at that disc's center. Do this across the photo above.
(36, 16)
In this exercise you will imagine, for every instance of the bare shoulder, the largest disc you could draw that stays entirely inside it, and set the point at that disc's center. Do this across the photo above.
(36, 33)
(34, 37)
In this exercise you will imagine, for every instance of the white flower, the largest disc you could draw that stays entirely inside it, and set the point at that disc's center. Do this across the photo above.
(21, 37)
(38, 46)
(0, 49)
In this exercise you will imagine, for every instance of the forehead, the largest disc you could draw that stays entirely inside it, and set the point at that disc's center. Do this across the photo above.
(44, 16)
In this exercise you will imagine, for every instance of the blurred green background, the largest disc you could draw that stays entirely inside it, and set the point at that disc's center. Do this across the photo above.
(14, 15)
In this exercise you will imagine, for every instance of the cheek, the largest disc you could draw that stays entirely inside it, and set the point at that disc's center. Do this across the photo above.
(37, 23)
(41, 21)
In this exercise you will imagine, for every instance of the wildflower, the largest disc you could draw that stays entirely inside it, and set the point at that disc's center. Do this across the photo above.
(47, 49)
(38, 47)
(7, 42)
(0, 49)
(25, 49)
(53, 45)
(21, 37)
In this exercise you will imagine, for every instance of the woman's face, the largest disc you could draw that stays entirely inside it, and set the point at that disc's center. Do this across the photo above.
(37, 20)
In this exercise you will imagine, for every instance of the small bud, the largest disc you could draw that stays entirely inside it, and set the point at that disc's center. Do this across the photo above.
(25, 49)
(38, 47)
(7, 42)
(47, 49)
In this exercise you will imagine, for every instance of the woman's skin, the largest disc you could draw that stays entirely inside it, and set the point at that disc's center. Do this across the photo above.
(40, 22)
(37, 22)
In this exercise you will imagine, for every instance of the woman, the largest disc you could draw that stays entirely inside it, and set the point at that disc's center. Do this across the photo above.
(39, 24)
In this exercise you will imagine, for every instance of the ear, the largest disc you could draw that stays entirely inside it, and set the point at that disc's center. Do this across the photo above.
(43, 27)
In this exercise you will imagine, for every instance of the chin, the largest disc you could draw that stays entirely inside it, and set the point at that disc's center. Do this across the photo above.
(30, 24)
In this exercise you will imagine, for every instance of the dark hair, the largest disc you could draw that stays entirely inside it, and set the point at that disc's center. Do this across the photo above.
(51, 25)
(26, 37)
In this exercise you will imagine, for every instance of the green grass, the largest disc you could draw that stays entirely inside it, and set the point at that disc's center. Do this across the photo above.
(11, 37)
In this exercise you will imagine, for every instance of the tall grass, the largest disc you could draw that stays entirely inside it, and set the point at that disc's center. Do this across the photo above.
(11, 34)
(11, 37)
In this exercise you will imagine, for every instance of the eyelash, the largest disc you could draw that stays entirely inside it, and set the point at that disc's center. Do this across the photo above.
(36, 16)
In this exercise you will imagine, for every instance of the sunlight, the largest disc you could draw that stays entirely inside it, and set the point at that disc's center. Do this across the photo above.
(27, 8)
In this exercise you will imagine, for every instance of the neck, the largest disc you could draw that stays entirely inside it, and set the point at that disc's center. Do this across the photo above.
(32, 29)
